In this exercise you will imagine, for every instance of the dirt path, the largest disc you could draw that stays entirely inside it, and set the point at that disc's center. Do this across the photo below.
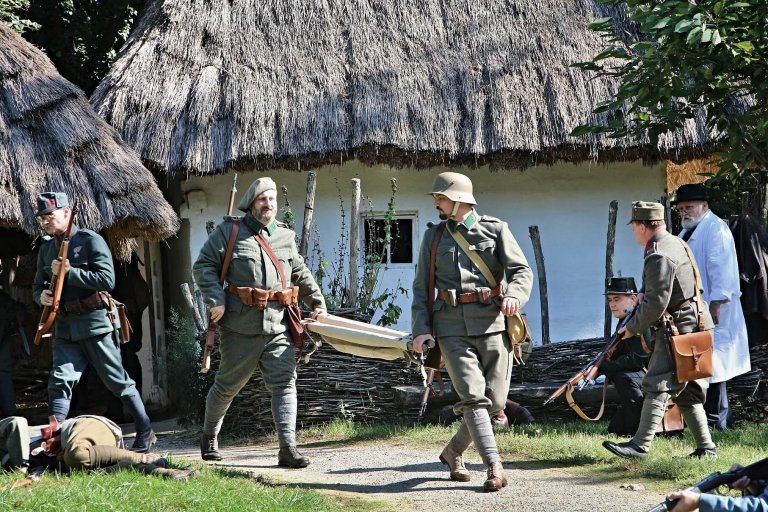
(410, 478)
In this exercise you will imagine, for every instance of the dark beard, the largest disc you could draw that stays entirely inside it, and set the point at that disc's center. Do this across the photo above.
(442, 216)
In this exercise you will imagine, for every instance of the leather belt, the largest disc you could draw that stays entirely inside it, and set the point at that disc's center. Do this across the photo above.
(479, 295)
(80, 306)
(258, 298)
(680, 306)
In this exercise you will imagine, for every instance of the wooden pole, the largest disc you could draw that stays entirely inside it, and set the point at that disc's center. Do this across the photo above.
(667, 211)
(354, 243)
(536, 239)
(309, 206)
(613, 210)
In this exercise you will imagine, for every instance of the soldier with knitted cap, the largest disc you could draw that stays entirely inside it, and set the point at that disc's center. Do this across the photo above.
(468, 316)
(254, 332)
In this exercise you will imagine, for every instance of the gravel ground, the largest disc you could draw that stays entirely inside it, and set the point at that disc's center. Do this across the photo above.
(411, 478)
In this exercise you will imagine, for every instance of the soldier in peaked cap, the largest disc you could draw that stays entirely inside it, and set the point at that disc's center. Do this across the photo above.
(626, 365)
(669, 285)
(468, 316)
(254, 334)
(86, 326)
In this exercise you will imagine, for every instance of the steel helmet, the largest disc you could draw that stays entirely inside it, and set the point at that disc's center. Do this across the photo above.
(454, 186)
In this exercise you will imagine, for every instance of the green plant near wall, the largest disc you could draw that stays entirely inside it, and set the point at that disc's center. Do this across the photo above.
(187, 386)
(331, 273)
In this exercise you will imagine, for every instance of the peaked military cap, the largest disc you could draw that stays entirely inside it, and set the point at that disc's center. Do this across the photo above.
(646, 210)
(257, 188)
(620, 286)
(50, 201)
(690, 192)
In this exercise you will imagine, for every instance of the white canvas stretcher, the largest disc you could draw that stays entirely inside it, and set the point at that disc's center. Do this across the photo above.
(361, 339)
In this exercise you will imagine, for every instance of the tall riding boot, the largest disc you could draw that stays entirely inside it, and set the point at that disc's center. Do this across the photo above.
(284, 410)
(452, 455)
(479, 424)
(145, 436)
(59, 408)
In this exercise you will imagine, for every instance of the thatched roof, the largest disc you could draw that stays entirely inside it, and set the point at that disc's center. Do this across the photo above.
(53, 140)
(203, 85)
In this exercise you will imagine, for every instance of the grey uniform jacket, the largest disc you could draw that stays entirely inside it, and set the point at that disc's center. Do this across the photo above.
(493, 241)
(251, 266)
(668, 281)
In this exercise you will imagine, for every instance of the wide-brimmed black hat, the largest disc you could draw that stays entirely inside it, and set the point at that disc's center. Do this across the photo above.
(620, 286)
(690, 192)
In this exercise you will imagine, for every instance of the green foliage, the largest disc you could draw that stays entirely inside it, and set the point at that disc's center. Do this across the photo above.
(131, 491)
(679, 58)
(332, 274)
(82, 37)
(11, 12)
(187, 386)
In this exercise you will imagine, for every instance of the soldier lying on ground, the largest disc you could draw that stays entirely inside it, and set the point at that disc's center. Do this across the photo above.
(83, 442)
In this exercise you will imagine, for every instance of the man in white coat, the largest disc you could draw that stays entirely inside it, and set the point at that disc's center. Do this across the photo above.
(712, 245)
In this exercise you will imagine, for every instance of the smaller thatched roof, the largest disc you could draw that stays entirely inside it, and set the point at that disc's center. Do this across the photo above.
(206, 85)
(51, 139)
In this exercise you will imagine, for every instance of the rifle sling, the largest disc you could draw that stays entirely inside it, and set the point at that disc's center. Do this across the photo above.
(272, 256)
(572, 403)
(210, 339)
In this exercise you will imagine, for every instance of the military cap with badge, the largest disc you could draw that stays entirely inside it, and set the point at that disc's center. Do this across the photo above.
(646, 211)
(48, 202)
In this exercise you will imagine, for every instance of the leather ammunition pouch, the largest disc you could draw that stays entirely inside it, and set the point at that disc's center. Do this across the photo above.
(80, 306)
(691, 352)
(481, 294)
(258, 298)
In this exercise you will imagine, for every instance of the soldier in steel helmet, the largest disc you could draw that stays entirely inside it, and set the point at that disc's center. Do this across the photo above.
(254, 334)
(669, 285)
(468, 317)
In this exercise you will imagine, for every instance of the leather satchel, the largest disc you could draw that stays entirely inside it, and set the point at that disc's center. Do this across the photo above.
(691, 352)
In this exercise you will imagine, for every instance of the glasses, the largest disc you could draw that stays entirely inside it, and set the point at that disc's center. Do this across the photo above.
(688, 208)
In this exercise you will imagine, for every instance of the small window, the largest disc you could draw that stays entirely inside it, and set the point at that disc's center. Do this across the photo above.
(400, 246)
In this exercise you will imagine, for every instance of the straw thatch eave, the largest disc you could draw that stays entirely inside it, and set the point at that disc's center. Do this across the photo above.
(202, 86)
(53, 140)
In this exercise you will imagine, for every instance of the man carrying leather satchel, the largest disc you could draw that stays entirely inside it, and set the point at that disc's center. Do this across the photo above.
(669, 286)
(468, 316)
(252, 315)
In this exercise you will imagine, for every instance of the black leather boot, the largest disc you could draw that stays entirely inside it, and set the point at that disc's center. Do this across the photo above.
(209, 447)
(145, 436)
(289, 457)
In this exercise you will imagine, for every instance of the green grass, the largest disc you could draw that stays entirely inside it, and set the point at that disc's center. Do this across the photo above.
(574, 445)
(211, 490)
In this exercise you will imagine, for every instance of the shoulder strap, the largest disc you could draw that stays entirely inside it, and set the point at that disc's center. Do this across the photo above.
(476, 259)
(432, 262)
(264, 245)
(698, 287)
(230, 249)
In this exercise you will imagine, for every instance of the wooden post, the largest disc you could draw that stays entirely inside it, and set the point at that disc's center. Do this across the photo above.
(354, 244)
(536, 239)
(667, 211)
(309, 206)
(613, 210)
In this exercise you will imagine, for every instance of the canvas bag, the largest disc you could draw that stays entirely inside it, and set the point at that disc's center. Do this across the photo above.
(691, 352)
(517, 325)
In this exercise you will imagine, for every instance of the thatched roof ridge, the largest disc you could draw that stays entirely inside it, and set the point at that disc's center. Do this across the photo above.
(53, 140)
(203, 85)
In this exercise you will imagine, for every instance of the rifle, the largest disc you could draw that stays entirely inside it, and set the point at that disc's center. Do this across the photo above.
(57, 285)
(755, 471)
(591, 370)
(210, 339)
(428, 389)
